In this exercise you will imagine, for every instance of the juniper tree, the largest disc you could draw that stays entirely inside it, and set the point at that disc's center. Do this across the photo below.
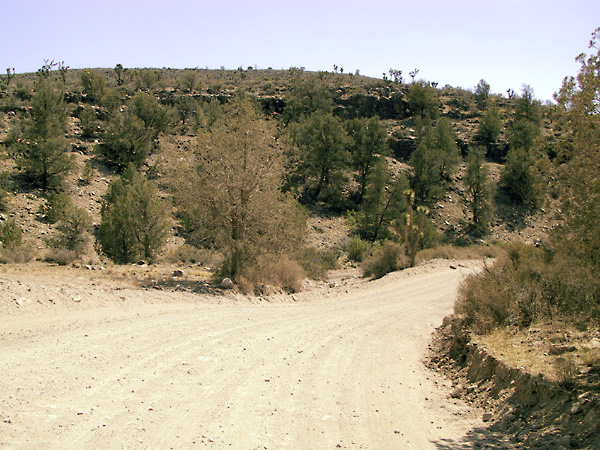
(433, 162)
(127, 140)
(384, 202)
(229, 191)
(367, 145)
(43, 153)
(135, 220)
(92, 84)
(579, 111)
(489, 128)
(320, 160)
(479, 190)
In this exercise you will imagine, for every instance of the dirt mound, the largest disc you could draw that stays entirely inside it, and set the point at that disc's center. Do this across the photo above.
(522, 410)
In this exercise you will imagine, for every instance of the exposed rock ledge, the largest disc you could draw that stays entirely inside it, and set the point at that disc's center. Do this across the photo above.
(522, 410)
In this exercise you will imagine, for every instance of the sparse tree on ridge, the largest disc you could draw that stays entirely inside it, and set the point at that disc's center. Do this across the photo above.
(44, 153)
(489, 129)
(482, 93)
(423, 101)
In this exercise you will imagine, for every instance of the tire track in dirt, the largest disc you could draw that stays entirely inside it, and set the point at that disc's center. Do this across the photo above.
(337, 372)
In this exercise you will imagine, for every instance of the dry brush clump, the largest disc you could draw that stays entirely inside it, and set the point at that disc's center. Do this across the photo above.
(12, 247)
(476, 251)
(271, 272)
(527, 285)
(389, 258)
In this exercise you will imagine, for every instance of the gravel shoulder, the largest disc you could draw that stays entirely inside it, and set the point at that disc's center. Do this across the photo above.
(98, 365)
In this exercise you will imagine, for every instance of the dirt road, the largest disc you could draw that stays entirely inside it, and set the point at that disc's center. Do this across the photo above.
(334, 369)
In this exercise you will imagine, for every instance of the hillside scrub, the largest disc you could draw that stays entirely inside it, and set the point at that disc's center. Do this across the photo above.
(341, 145)
(559, 280)
(529, 285)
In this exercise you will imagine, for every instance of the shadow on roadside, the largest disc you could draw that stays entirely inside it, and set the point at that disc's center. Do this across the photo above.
(479, 438)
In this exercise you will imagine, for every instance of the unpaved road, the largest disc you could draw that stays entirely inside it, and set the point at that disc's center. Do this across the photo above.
(335, 369)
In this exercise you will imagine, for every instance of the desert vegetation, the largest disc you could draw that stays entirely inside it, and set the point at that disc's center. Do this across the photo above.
(128, 165)
(557, 280)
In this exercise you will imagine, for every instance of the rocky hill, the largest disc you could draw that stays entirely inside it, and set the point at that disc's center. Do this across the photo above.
(351, 96)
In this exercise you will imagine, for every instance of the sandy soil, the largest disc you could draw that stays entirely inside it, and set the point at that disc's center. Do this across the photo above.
(92, 365)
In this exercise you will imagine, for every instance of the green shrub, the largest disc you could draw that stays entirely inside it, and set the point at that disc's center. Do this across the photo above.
(3, 200)
(10, 235)
(12, 249)
(389, 258)
(88, 121)
(74, 231)
(357, 248)
(57, 206)
(5, 184)
(87, 173)
(127, 141)
(316, 262)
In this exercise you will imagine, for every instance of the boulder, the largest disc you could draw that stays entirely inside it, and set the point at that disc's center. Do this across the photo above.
(226, 283)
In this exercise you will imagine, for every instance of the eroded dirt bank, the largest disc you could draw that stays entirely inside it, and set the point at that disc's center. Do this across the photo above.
(523, 411)
(107, 367)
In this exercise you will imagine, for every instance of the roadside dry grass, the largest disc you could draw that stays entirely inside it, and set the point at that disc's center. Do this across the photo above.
(554, 351)
(475, 251)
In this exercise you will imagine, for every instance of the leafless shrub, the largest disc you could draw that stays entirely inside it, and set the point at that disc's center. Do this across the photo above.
(276, 271)
(590, 356)
(20, 254)
(566, 371)
(61, 256)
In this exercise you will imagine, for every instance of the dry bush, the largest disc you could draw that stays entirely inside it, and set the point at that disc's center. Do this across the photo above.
(590, 356)
(461, 252)
(21, 254)
(526, 285)
(275, 271)
(485, 306)
(188, 254)
(566, 371)
(61, 256)
(389, 258)
(316, 262)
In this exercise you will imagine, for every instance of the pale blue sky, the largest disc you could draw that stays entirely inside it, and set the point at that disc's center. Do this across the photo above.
(457, 42)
